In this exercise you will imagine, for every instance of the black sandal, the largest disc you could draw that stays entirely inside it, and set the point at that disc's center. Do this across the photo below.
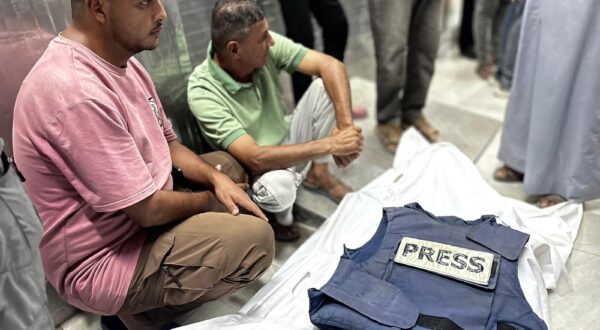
(285, 233)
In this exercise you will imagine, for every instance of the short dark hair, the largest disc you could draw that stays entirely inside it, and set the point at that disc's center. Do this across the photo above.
(77, 8)
(233, 20)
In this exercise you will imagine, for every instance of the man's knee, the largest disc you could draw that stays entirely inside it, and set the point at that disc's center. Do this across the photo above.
(253, 240)
(275, 191)
(317, 85)
(229, 165)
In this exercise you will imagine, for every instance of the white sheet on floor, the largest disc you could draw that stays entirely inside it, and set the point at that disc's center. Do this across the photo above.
(445, 182)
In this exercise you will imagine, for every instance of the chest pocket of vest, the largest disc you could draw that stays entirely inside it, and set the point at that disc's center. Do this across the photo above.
(466, 303)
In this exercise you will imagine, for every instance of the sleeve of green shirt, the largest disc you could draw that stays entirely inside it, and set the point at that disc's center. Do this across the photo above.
(286, 54)
(217, 123)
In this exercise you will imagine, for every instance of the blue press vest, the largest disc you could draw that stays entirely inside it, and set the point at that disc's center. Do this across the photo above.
(369, 290)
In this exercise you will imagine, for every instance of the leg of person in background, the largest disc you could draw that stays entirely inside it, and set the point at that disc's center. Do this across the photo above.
(497, 30)
(298, 27)
(465, 40)
(483, 25)
(511, 46)
(390, 23)
(509, 17)
(330, 16)
(423, 44)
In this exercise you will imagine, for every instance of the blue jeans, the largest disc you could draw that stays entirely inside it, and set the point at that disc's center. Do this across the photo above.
(511, 30)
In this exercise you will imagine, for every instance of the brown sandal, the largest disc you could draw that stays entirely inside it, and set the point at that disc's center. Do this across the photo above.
(508, 174)
(389, 134)
(550, 200)
(332, 188)
(425, 128)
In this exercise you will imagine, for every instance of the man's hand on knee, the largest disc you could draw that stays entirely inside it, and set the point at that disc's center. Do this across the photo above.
(232, 194)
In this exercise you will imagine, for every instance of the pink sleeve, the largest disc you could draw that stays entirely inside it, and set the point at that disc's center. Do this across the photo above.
(90, 144)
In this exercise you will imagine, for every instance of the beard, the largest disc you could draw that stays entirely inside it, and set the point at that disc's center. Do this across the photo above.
(128, 42)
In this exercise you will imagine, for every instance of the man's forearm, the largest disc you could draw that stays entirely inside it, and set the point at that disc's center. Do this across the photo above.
(193, 167)
(337, 85)
(284, 156)
(164, 207)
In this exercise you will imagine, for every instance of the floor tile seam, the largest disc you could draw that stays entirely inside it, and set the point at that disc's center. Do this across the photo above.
(585, 251)
(487, 145)
(471, 110)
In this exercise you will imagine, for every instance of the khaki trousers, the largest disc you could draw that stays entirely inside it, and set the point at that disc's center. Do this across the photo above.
(200, 259)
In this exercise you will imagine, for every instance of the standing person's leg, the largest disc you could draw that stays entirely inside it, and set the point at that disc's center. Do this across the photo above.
(390, 22)
(465, 39)
(512, 47)
(509, 17)
(497, 30)
(423, 44)
(483, 22)
(298, 27)
(332, 19)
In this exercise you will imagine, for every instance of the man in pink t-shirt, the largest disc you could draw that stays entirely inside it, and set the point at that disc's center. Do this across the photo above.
(92, 139)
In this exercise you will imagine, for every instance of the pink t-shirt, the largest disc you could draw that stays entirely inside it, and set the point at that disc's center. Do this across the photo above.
(91, 139)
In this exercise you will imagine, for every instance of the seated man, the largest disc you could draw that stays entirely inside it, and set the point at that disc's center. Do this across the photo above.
(96, 149)
(236, 98)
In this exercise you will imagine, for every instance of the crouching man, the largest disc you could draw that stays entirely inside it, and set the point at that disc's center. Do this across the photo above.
(236, 98)
(95, 146)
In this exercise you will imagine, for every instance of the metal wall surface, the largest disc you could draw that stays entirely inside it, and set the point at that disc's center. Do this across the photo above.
(26, 27)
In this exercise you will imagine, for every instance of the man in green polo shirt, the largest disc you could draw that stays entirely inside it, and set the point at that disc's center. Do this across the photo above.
(235, 96)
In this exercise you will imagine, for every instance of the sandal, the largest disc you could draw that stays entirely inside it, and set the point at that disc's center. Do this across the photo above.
(485, 71)
(285, 233)
(389, 134)
(508, 174)
(330, 187)
(425, 128)
(550, 200)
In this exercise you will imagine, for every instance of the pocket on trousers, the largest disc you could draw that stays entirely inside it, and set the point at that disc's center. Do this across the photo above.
(193, 267)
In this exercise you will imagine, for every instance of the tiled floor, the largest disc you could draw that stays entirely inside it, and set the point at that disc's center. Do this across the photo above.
(470, 116)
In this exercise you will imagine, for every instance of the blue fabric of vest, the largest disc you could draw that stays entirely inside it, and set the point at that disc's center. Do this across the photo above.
(370, 291)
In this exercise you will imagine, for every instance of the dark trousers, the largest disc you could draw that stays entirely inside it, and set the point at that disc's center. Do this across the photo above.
(406, 34)
(330, 16)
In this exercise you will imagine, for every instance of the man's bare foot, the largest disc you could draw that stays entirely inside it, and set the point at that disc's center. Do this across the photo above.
(320, 180)
(550, 200)
(389, 134)
(425, 128)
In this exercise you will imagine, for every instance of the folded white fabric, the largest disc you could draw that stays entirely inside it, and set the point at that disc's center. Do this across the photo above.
(275, 191)
(445, 182)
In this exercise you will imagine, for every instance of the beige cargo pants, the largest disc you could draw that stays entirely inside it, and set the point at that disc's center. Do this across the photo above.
(198, 260)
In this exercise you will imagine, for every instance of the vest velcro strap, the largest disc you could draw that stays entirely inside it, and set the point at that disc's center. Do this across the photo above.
(437, 323)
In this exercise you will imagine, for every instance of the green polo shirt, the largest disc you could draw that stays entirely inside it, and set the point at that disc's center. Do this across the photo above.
(227, 109)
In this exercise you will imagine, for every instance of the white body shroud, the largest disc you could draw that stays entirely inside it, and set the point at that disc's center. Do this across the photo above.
(443, 181)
